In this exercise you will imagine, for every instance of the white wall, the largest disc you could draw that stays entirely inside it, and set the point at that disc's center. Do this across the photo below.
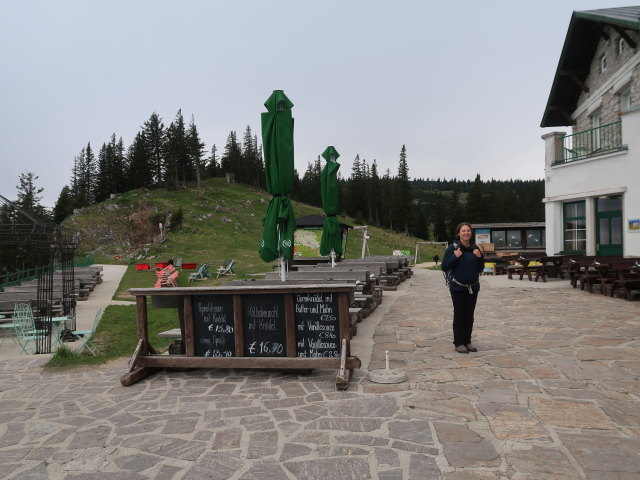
(616, 173)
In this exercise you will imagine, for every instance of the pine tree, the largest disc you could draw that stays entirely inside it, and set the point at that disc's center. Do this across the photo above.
(195, 149)
(474, 210)
(176, 157)
(155, 135)
(29, 195)
(375, 194)
(83, 178)
(137, 157)
(64, 205)
(212, 163)
(231, 160)
(403, 205)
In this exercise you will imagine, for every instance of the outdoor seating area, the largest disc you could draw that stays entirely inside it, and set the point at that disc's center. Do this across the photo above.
(35, 325)
(612, 276)
(85, 280)
(370, 277)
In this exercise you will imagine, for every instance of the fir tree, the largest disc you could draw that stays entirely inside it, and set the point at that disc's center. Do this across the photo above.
(195, 149)
(176, 161)
(29, 195)
(154, 135)
(212, 163)
(137, 157)
(64, 205)
(231, 159)
(474, 210)
(403, 205)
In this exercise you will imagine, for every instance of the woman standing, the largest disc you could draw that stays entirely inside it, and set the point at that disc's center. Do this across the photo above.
(463, 263)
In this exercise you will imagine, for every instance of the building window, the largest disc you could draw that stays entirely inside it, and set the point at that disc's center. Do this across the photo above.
(498, 238)
(603, 63)
(514, 238)
(621, 46)
(535, 239)
(624, 98)
(575, 227)
(596, 133)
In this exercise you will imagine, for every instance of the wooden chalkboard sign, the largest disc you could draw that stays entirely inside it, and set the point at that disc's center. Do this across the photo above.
(281, 326)
(317, 327)
(264, 326)
(213, 327)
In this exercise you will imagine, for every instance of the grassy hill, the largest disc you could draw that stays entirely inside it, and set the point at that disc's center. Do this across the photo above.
(206, 225)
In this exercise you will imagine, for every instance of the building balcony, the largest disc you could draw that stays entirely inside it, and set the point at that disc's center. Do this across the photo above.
(591, 143)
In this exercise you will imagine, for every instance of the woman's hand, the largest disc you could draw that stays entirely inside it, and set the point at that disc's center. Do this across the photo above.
(477, 253)
(457, 252)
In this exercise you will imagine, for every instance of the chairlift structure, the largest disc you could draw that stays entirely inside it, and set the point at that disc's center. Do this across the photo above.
(52, 246)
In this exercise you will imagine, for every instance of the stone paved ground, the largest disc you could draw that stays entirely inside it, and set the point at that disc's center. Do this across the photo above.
(552, 393)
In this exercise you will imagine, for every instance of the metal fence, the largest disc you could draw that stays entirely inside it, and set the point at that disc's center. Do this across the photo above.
(596, 141)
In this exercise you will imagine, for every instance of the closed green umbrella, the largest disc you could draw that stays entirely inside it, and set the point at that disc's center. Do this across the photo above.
(331, 241)
(277, 140)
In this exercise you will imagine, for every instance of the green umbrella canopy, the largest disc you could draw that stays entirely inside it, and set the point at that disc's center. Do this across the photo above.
(331, 238)
(277, 139)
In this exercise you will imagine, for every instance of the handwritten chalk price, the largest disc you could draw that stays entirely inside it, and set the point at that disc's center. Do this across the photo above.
(265, 348)
(220, 328)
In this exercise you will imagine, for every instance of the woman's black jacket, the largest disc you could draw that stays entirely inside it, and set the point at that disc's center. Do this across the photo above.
(465, 269)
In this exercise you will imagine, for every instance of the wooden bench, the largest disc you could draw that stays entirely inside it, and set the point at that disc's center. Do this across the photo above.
(622, 275)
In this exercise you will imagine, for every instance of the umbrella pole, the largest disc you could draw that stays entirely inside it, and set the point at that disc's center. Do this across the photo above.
(333, 258)
(283, 268)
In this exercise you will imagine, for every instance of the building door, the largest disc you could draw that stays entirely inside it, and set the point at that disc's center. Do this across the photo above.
(609, 226)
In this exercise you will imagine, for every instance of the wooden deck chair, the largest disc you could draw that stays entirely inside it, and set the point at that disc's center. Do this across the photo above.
(162, 276)
(200, 274)
(87, 336)
(227, 267)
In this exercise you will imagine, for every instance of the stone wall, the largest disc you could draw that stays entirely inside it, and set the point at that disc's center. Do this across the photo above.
(610, 104)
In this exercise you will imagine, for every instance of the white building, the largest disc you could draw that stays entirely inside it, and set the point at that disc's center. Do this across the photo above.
(592, 175)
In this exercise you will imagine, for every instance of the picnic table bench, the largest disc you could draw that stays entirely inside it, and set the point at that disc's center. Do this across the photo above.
(619, 274)
(522, 264)
(550, 266)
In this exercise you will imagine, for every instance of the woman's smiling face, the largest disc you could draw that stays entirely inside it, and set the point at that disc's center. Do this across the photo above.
(465, 233)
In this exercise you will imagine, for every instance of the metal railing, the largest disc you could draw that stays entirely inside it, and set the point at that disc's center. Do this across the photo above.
(16, 278)
(596, 141)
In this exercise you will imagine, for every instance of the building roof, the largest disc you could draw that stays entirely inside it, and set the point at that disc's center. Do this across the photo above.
(585, 30)
(509, 225)
(315, 221)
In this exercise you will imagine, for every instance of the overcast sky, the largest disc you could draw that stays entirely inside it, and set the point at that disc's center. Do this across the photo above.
(462, 84)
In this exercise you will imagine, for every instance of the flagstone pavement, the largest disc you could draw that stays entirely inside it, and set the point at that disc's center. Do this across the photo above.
(553, 393)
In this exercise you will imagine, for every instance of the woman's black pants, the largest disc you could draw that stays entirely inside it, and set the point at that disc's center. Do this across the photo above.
(464, 304)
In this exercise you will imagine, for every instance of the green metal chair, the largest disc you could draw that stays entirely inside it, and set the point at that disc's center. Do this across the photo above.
(87, 336)
(26, 332)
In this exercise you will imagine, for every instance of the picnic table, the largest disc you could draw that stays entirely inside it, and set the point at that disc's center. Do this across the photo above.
(619, 274)
(550, 266)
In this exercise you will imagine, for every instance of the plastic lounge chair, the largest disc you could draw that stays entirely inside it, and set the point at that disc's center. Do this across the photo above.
(88, 335)
(227, 267)
(200, 274)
